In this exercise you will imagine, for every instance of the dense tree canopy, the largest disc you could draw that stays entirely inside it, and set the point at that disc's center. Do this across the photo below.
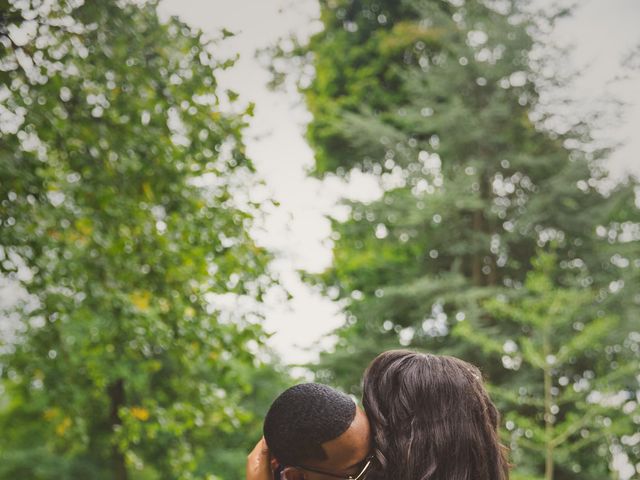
(122, 223)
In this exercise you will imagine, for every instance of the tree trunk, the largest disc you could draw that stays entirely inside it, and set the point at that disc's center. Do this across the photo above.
(482, 226)
(476, 261)
(548, 401)
(116, 397)
(493, 274)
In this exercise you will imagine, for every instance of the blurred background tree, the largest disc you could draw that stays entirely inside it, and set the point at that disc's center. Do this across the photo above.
(565, 395)
(443, 102)
(122, 224)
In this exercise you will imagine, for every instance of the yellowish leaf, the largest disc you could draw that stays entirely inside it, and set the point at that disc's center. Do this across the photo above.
(146, 188)
(141, 299)
(51, 413)
(84, 226)
(140, 413)
(63, 426)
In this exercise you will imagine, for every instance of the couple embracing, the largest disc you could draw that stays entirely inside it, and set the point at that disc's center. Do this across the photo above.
(426, 417)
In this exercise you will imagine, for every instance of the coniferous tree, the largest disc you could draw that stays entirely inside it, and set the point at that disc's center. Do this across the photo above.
(565, 396)
(442, 101)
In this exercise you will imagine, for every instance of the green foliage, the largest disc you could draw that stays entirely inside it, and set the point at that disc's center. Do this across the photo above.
(560, 401)
(442, 101)
(122, 223)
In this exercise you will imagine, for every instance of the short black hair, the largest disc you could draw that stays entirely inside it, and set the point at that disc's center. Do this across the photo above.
(304, 417)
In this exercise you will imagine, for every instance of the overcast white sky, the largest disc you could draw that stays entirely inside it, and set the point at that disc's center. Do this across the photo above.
(602, 32)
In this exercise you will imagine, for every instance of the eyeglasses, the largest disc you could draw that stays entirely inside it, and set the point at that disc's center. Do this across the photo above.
(367, 462)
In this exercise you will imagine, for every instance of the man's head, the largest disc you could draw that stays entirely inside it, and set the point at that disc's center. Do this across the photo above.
(312, 427)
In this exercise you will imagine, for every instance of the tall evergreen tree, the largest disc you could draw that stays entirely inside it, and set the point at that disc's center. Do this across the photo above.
(564, 392)
(122, 221)
(441, 100)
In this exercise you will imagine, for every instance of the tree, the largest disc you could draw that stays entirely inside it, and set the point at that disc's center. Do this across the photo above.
(125, 216)
(563, 395)
(444, 102)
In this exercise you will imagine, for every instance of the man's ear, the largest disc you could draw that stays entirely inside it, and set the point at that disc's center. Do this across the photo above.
(292, 473)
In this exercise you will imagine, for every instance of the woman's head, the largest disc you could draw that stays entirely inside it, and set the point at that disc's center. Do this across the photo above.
(432, 419)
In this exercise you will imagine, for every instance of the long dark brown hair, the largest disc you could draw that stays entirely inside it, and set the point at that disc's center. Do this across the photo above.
(432, 419)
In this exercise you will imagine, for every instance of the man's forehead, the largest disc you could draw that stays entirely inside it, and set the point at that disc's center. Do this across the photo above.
(351, 447)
